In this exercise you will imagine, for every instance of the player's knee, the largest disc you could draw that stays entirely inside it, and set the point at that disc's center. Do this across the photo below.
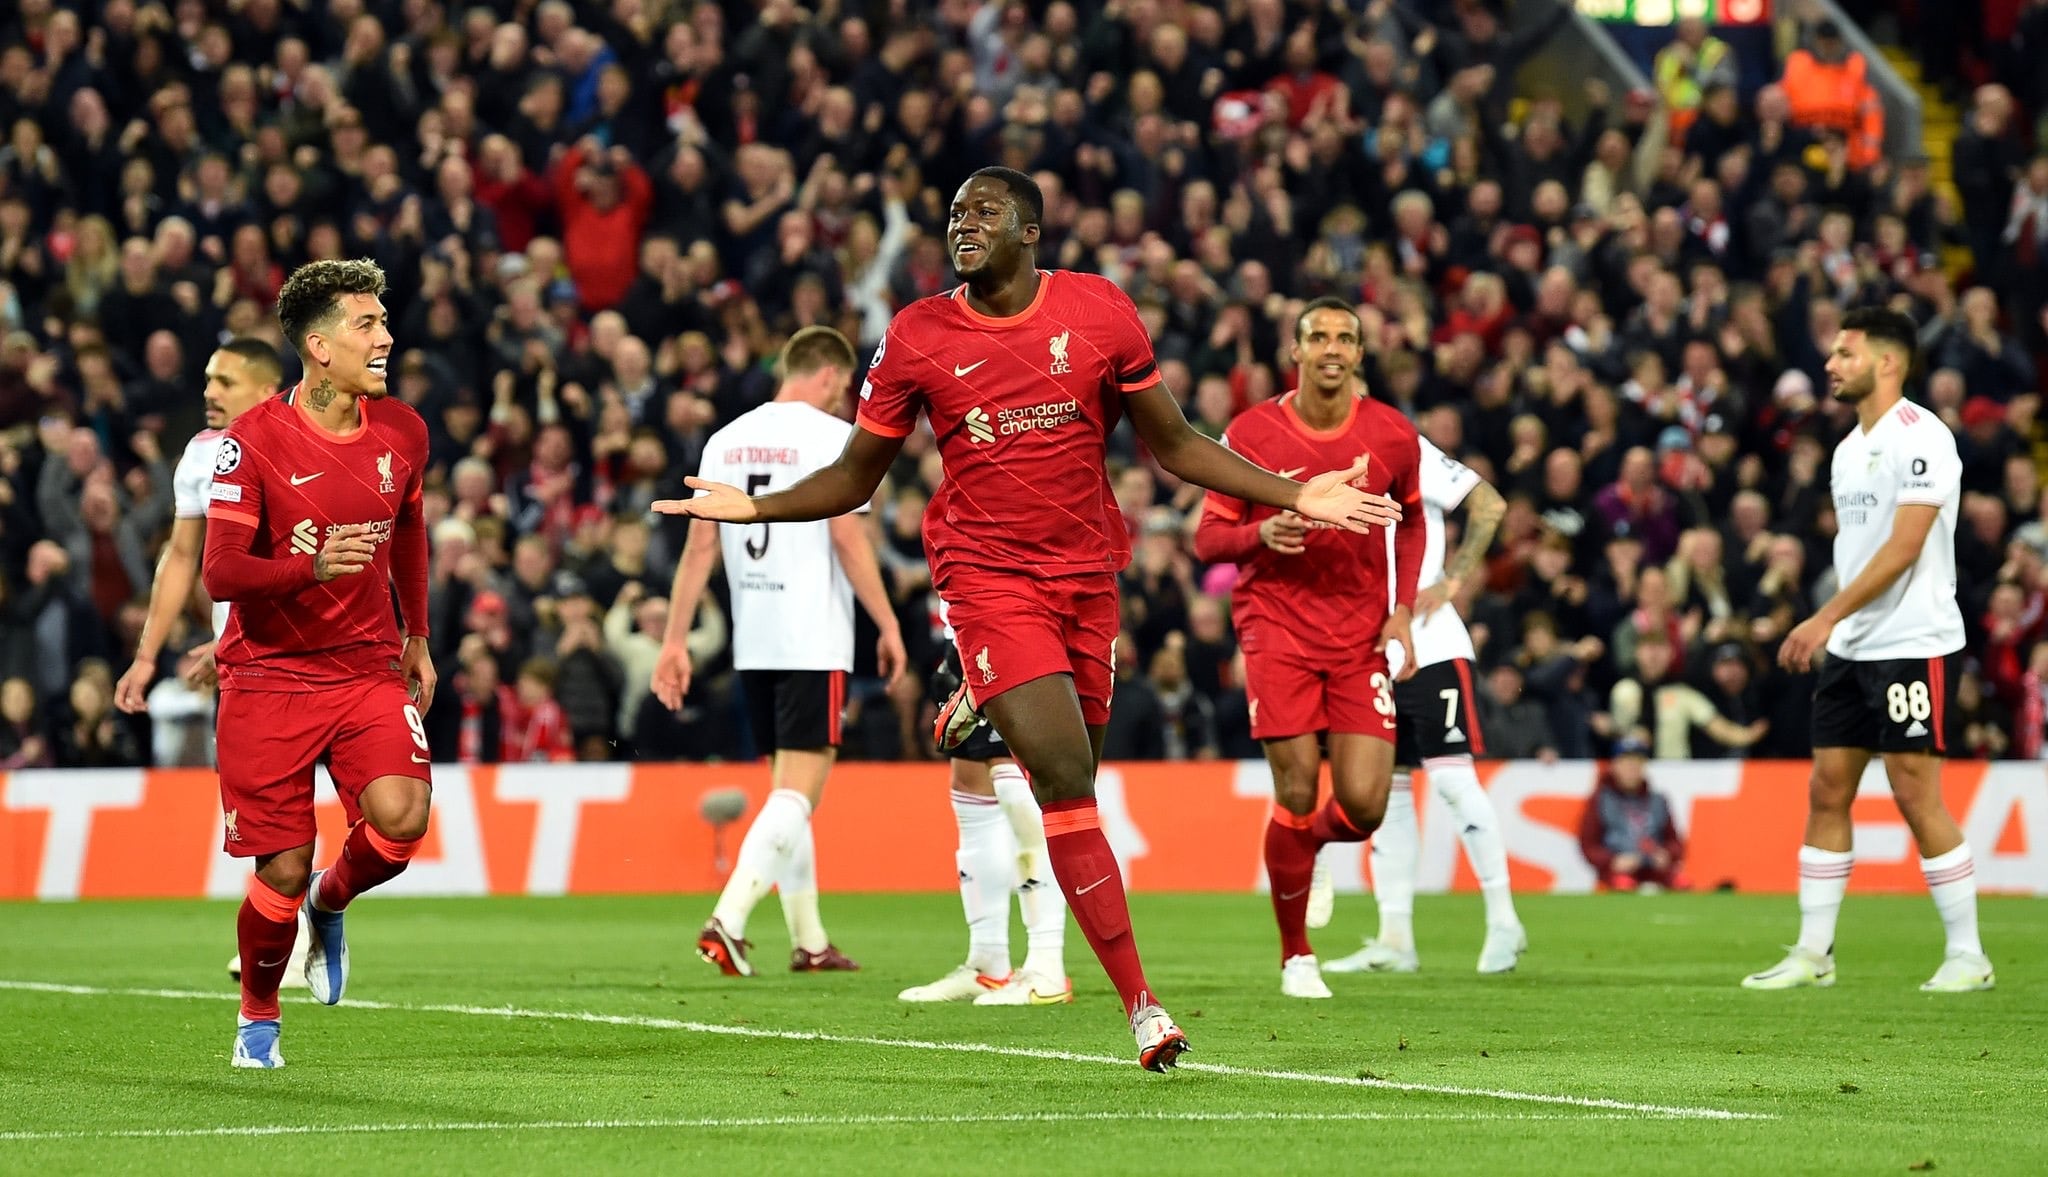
(399, 812)
(1064, 778)
(1367, 811)
(288, 873)
(1826, 793)
(1294, 792)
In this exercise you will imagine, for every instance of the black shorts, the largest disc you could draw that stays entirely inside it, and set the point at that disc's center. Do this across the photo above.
(982, 743)
(795, 710)
(1896, 705)
(1438, 713)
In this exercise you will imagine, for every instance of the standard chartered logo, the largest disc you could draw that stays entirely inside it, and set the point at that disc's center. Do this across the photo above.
(984, 428)
(305, 538)
(978, 426)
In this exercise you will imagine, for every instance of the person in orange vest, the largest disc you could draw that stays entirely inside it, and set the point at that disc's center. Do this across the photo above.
(1828, 87)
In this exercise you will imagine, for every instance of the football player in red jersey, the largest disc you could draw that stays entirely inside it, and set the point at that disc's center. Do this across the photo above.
(1023, 372)
(315, 514)
(1305, 604)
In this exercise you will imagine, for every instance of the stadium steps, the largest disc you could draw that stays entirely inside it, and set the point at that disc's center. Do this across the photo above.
(1940, 123)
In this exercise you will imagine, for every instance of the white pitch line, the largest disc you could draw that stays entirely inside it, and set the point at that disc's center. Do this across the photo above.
(795, 1122)
(1673, 1111)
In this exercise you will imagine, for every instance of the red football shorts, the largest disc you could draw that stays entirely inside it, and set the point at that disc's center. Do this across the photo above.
(1291, 695)
(1012, 629)
(269, 741)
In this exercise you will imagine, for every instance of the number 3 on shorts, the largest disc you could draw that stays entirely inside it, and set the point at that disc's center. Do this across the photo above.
(1904, 701)
(418, 726)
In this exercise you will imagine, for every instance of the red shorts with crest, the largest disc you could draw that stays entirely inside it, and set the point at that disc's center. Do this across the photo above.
(1349, 693)
(269, 741)
(1012, 629)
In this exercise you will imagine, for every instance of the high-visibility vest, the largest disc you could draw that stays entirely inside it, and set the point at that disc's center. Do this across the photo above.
(1837, 97)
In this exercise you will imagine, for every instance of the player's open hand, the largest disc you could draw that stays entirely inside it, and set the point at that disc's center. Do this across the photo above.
(1804, 643)
(348, 550)
(197, 669)
(1397, 629)
(1435, 597)
(890, 658)
(672, 675)
(416, 665)
(719, 503)
(131, 694)
(1330, 498)
(1285, 533)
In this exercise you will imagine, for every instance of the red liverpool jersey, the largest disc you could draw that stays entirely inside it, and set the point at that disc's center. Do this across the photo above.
(1022, 408)
(1334, 596)
(281, 474)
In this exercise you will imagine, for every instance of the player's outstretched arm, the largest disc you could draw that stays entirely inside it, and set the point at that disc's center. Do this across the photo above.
(169, 593)
(1911, 526)
(1191, 457)
(833, 491)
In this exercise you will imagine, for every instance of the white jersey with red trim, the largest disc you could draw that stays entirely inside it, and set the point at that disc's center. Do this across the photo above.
(1907, 458)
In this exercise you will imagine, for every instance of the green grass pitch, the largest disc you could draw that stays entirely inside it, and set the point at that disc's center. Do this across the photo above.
(583, 1036)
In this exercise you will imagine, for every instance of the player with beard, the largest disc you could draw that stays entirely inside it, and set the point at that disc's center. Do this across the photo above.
(1890, 634)
(1023, 373)
(1308, 605)
(315, 514)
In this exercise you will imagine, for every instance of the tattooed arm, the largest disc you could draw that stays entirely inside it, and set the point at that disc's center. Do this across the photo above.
(1483, 511)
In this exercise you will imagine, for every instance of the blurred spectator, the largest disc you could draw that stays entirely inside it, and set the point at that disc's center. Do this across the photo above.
(1517, 728)
(1827, 87)
(1626, 833)
(24, 739)
(533, 725)
(1686, 68)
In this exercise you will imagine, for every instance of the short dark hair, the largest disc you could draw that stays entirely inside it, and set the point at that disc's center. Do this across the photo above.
(813, 348)
(1024, 190)
(1326, 303)
(1884, 325)
(258, 355)
(311, 298)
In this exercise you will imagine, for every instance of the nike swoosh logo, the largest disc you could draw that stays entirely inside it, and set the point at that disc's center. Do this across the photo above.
(419, 759)
(959, 371)
(1091, 886)
(1294, 895)
(1294, 473)
(303, 479)
(268, 964)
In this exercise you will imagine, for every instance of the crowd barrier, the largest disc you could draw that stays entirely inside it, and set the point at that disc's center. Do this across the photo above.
(586, 829)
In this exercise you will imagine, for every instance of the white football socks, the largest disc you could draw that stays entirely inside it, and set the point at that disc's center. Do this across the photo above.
(986, 859)
(1457, 782)
(1952, 880)
(1039, 898)
(764, 856)
(1823, 880)
(798, 888)
(1395, 847)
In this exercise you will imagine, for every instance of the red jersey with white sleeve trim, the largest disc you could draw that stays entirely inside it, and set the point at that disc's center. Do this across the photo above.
(1335, 596)
(1022, 408)
(281, 473)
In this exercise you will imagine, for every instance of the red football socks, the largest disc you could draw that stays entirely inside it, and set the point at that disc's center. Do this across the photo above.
(1094, 886)
(1290, 864)
(368, 859)
(264, 931)
(1331, 825)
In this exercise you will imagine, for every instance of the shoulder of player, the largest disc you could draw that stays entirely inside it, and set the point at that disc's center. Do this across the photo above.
(1260, 420)
(398, 416)
(1923, 428)
(1089, 289)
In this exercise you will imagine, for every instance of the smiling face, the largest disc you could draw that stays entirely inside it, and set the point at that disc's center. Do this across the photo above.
(986, 232)
(357, 348)
(1328, 345)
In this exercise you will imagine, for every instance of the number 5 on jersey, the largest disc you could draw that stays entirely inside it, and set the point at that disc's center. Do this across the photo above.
(756, 483)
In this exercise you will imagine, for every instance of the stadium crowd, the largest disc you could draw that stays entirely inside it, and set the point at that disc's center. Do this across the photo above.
(600, 220)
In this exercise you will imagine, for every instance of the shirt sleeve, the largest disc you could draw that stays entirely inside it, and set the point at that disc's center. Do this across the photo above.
(1928, 468)
(1129, 345)
(1445, 480)
(889, 400)
(237, 493)
(188, 483)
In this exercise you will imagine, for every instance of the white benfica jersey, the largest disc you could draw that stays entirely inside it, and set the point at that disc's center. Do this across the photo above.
(792, 605)
(1908, 457)
(1441, 636)
(192, 488)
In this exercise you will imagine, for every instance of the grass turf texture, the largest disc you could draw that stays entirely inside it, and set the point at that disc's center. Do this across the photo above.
(1624, 998)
